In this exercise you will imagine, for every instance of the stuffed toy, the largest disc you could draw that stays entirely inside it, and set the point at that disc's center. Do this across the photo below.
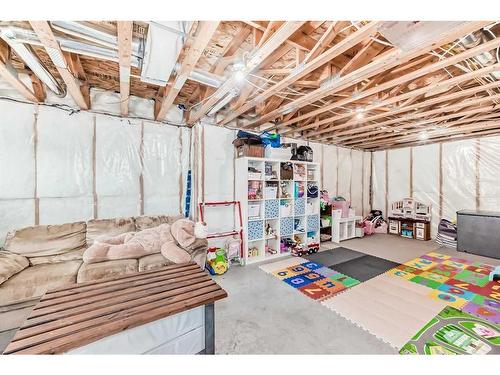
(176, 243)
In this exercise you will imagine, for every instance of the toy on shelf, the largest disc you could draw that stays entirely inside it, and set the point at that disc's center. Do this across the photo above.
(217, 263)
(254, 173)
(254, 190)
(253, 252)
(270, 250)
(299, 172)
(269, 231)
(299, 189)
(285, 189)
(298, 225)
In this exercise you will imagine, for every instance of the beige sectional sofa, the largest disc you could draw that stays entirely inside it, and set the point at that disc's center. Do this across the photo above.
(36, 259)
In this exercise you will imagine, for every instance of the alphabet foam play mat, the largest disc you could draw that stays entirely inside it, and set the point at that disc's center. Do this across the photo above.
(458, 282)
(312, 279)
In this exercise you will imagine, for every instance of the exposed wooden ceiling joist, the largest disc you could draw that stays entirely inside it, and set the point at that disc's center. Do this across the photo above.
(303, 70)
(124, 54)
(204, 33)
(257, 57)
(51, 45)
(386, 61)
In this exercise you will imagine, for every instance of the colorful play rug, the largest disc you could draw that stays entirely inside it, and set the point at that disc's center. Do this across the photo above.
(455, 332)
(310, 278)
(458, 282)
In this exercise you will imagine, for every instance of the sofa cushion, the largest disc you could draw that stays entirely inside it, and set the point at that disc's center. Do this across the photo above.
(153, 262)
(145, 222)
(106, 270)
(44, 240)
(10, 264)
(70, 255)
(108, 227)
(35, 281)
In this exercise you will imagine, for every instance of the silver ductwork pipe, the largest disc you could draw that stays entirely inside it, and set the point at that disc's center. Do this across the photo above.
(21, 35)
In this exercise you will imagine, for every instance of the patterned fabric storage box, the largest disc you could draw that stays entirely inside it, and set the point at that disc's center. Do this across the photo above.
(255, 230)
(286, 226)
(312, 223)
(300, 206)
(272, 208)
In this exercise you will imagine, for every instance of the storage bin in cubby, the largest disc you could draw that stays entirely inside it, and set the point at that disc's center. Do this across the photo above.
(272, 208)
(255, 230)
(286, 226)
(312, 223)
(300, 206)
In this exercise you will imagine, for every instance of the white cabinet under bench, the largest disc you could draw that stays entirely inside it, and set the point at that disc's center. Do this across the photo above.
(280, 203)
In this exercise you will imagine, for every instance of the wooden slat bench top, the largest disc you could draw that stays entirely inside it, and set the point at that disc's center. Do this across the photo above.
(76, 315)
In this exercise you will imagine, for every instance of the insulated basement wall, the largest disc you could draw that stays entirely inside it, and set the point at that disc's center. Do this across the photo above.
(58, 166)
(449, 176)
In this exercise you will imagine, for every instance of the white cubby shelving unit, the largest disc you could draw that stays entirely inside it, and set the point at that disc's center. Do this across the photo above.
(279, 201)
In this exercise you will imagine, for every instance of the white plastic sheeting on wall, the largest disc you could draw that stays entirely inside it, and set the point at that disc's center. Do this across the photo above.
(118, 166)
(72, 160)
(218, 162)
(379, 189)
(459, 177)
(17, 166)
(426, 180)
(357, 181)
(64, 165)
(489, 175)
(367, 166)
(162, 169)
(329, 169)
(344, 173)
(450, 176)
(398, 178)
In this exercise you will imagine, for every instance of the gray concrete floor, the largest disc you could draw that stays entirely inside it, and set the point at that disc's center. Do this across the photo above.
(265, 316)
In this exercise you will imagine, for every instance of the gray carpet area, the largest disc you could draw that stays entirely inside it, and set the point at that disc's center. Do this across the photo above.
(334, 256)
(365, 267)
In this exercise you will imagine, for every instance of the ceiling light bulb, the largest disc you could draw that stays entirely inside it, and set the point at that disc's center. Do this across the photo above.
(239, 76)
(423, 136)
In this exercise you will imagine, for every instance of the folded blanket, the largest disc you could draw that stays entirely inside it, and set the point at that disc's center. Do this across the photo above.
(11, 264)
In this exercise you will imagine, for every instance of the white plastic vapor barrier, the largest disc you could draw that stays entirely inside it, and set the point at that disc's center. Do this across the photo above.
(459, 177)
(118, 166)
(465, 176)
(426, 180)
(379, 190)
(64, 153)
(398, 183)
(17, 163)
(357, 181)
(344, 173)
(329, 168)
(488, 174)
(219, 176)
(17, 167)
(367, 160)
(162, 169)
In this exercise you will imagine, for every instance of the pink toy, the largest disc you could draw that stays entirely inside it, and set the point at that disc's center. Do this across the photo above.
(343, 206)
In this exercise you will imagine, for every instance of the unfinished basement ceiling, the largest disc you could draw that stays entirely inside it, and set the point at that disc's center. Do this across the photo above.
(365, 85)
